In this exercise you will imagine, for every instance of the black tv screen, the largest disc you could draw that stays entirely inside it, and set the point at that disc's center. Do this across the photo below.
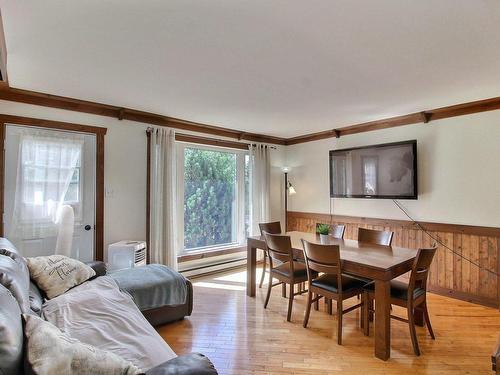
(379, 171)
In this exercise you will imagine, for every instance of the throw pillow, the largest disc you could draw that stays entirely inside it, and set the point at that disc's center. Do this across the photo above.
(49, 351)
(55, 274)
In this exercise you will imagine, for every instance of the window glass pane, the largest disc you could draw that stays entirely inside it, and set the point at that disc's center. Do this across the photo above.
(210, 209)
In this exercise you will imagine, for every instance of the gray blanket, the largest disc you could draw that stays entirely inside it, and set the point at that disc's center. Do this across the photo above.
(152, 286)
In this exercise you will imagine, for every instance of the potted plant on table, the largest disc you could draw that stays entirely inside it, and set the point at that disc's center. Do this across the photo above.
(323, 230)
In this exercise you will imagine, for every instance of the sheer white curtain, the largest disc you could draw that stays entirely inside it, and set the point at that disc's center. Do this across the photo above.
(46, 165)
(260, 176)
(162, 198)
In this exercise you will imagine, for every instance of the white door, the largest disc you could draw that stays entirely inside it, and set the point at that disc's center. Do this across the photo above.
(49, 191)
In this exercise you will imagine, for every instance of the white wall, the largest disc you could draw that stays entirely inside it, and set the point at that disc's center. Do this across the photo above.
(458, 172)
(125, 169)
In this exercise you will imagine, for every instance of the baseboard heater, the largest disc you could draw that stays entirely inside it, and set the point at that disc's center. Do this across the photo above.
(213, 267)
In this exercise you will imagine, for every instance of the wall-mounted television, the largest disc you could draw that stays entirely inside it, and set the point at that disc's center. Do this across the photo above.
(384, 171)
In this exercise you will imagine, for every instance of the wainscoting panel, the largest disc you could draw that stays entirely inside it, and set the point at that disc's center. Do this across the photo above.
(450, 274)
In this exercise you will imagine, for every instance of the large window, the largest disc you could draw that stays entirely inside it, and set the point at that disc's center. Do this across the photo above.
(214, 185)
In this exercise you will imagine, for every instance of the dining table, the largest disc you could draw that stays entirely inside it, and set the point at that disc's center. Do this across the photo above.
(376, 262)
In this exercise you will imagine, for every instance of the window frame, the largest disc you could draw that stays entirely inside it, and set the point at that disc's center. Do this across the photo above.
(239, 192)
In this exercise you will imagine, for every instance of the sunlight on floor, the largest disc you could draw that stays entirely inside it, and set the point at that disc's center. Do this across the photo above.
(203, 284)
(240, 277)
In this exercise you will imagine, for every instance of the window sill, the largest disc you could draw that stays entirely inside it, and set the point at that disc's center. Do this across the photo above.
(186, 257)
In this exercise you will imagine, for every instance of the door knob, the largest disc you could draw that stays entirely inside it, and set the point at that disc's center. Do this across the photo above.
(88, 227)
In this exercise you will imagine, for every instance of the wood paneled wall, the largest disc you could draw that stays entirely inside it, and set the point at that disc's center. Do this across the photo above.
(450, 274)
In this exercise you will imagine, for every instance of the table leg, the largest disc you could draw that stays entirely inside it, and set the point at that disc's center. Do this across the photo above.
(418, 316)
(382, 320)
(251, 270)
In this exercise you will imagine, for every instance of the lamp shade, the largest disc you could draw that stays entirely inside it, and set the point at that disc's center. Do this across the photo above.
(291, 190)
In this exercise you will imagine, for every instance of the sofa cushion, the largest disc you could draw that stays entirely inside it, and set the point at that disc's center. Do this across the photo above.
(152, 286)
(36, 299)
(14, 275)
(49, 351)
(56, 274)
(11, 334)
(98, 313)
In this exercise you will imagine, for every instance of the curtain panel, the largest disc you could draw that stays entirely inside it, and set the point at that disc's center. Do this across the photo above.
(162, 239)
(260, 176)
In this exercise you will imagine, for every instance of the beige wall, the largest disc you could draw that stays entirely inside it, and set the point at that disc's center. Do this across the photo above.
(458, 172)
(125, 169)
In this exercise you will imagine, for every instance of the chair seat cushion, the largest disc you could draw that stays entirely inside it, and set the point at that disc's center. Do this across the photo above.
(329, 282)
(399, 289)
(299, 270)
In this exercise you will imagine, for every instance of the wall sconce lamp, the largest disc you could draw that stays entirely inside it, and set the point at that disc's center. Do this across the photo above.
(289, 189)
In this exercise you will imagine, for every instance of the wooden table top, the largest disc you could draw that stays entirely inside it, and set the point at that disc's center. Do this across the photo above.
(378, 258)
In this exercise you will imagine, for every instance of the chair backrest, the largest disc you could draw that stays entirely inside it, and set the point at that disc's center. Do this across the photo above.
(323, 258)
(279, 247)
(273, 228)
(420, 269)
(376, 237)
(336, 231)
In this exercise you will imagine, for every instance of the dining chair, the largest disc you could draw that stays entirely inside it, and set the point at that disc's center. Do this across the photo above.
(336, 230)
(410, 296)
(283, 268)
(332, 284)
(273, 228)
(376, 237)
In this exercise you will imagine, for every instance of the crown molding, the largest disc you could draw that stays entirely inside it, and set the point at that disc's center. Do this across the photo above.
(122, 113)
(412, 118)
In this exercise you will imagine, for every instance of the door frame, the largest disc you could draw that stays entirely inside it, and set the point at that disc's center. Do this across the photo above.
(99, 167)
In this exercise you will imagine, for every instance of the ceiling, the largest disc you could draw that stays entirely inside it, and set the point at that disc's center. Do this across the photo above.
(281, 67)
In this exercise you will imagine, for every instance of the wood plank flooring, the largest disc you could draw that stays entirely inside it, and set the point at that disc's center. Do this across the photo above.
(240, 337)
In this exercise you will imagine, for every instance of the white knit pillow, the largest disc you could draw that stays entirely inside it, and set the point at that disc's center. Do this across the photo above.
(49, 351)
(55, 274)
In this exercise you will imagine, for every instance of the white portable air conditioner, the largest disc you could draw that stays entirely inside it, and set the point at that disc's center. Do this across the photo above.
(126, 254)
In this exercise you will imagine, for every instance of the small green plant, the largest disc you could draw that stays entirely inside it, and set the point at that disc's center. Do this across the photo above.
(323, 229)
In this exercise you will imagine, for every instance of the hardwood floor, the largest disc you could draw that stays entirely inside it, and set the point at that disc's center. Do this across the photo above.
(240, 337)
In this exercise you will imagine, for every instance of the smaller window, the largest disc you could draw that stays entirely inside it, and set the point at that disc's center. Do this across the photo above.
(50, 172)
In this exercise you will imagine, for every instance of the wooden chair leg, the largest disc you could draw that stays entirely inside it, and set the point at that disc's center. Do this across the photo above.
(363, 306)
(330, 307)
(316, 304)
(269, 286)
(308, 309)
(366, 314)
(339, 321)
(413, 333)
(428, 321)
(370, 309)
(290, 304)
(263, 270)
(283, 290)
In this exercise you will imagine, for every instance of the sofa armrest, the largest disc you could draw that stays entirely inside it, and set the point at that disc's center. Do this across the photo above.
(188, 364)
(98, 266)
